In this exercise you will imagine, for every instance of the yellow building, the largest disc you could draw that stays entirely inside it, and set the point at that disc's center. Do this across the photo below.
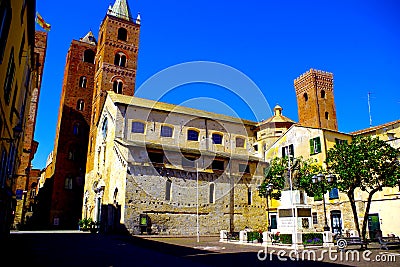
(17, 78)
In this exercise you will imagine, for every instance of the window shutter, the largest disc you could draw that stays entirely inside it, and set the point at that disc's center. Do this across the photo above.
(283, 152)
(318, 145)
(311, 146)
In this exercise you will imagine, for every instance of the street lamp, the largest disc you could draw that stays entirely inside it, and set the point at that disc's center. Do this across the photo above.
(321, 178)
(268, 191)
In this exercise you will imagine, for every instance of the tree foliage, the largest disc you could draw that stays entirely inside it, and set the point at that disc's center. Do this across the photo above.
(277, 174)
(367, 163)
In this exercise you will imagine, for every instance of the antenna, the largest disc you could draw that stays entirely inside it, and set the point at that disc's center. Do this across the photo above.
(369, 109)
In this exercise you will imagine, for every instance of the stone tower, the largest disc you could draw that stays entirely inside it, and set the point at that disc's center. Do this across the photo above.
(315, 100)
(72, 133)
(116, 61)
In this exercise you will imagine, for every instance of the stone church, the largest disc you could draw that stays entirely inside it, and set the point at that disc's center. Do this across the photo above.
(138, 165)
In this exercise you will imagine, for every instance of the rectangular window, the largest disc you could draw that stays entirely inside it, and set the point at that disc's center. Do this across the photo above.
(315, 146)
(244, 168)
(334, 193)
(274, 221)
(212, 193)
(166, 131)
(249, 196)
(168, 187)
(239, 142)
(217, 139)
(137, 127)
(218, 165)
(68, 183)
(288, 150)
(192, 135)
(8, 83)
(314, 218)
(340, 141)
(5, 22)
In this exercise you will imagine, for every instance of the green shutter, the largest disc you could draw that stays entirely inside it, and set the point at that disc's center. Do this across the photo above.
(318, 145)
(311, 146)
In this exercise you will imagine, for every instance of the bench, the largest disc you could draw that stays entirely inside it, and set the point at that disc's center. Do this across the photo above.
(343, 242)
(386, 241)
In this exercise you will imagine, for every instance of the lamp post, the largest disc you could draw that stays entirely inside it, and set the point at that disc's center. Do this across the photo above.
(321, 178)
(267, 193)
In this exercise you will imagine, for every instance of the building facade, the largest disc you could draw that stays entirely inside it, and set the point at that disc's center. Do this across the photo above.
(175, 167)
(19, 78)
(24, 183)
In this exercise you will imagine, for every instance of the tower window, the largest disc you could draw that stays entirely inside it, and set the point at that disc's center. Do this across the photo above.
(120, 59)
(76, 129)
(122, 34)
(322, 94)
(305, 97)
(82, 82)
(327, 115)
(217, 138)
(68, 182)
(88, 56)
(117, 87)
(192, 135)
(80, 105)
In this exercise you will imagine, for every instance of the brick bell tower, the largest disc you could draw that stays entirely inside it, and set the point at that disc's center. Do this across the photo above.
(116, 62)
(315, 100)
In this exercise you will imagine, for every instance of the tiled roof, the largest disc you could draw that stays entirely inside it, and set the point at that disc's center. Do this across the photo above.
(371, 129)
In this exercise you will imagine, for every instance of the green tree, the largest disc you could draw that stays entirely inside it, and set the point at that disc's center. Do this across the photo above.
(301, 172)
(366, 163)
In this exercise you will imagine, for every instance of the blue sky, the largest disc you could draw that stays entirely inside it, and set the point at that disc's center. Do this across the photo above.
(271, 42)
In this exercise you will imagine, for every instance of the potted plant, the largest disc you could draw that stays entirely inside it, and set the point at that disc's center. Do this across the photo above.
(85, 224)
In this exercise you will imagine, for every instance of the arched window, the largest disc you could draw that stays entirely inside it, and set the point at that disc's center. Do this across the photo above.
(68, 182)
(82, 82)
(72, 153)
(88, 56)
(217, 138)
(104, 128)
(322, 94)
(305, 97)
(122, 34)
(212, 193)
(76, 129)
(117, 86)
(80, 105)
(193, 135)
(120, 59)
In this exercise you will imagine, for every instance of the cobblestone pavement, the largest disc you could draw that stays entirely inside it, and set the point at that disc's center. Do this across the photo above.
(75, 249)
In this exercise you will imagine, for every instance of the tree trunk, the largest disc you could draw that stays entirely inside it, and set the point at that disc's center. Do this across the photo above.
(350, 195)
(364, 226)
